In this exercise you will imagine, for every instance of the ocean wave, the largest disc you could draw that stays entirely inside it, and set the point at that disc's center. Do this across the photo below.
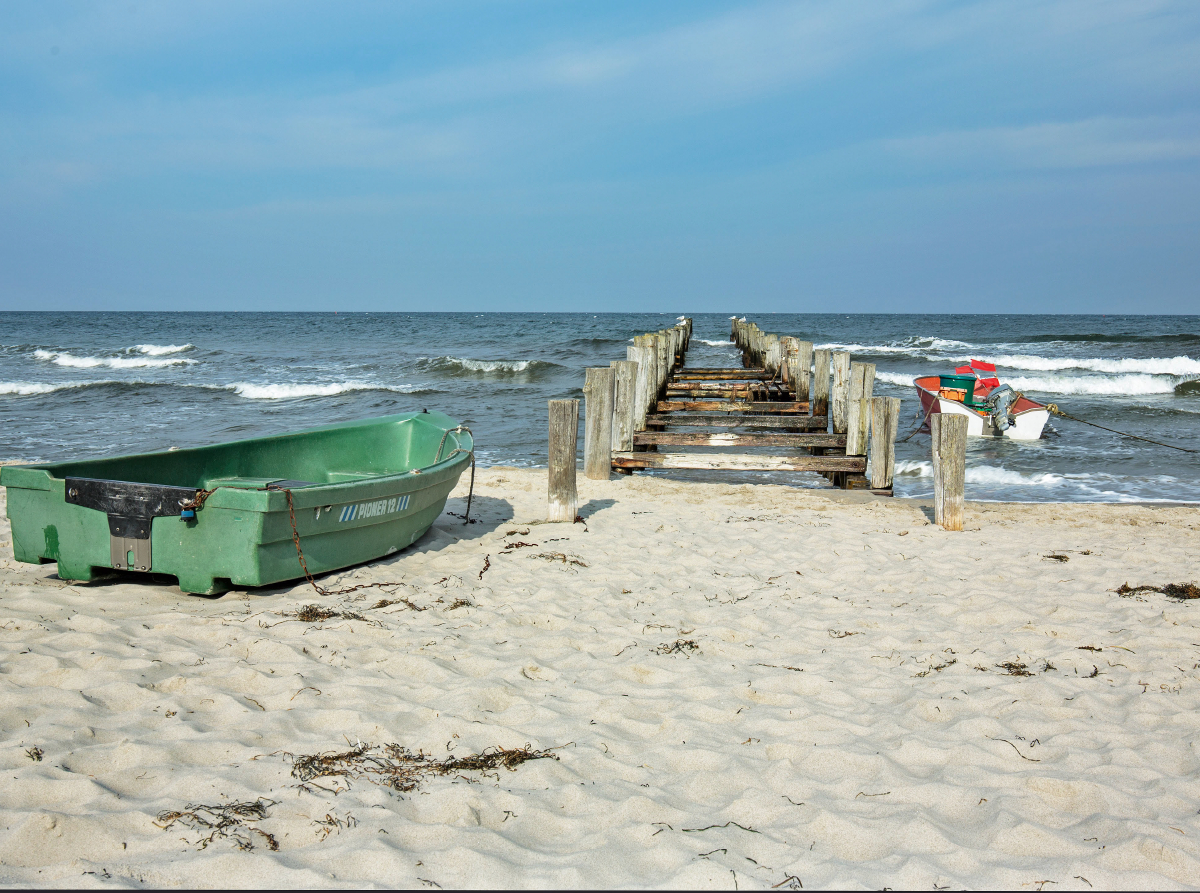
(1098, 385)
(715, 343)
(1116, 385)
(916, 346)
(248, 390)
(65, 358)
(983, 474)
(467, 366)
(295, 391)
(33, 388)
(1181, 365)
(1120, 338)
(158, 350)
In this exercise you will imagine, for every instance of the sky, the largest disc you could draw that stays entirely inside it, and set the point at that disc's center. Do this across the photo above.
(879, 156)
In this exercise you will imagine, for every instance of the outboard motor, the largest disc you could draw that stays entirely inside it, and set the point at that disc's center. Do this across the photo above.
(1000, 402)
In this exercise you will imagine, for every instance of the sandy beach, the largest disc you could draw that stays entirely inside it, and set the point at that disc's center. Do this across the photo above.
(748, 686)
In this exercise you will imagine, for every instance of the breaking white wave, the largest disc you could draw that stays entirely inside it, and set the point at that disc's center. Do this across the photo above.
(30, 388)
(993, 482)
(1181, 365)
(984, 474)
(296, 391)
(461, 365)
(914, 347)
(1099, 385)
(65, 358)
(1116, 385)
(158, 350)
(715, 343)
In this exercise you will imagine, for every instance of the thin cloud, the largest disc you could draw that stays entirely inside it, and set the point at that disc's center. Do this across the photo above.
(1093, 142)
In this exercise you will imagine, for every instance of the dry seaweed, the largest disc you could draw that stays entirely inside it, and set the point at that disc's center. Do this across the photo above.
(460, 603)
(1057, 556)
(226, 821)
(564, 558)
(318, 614)
(937, 668)
(396, 767)
(331, 824)
(388, 602)
(1015, 668)
(679, 646)
(1181, 591)
(34, 753)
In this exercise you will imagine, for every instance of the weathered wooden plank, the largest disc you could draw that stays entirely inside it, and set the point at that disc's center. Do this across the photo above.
(564, 432)
(739, 420)
(731, 406)
(840, 394)
(730, 375)
(740, 462)
(704, 387)
(624, 410)
(726, 439)
(598, 391)
(949, 432)
(820, 382)
(643, 393)
(885, 418)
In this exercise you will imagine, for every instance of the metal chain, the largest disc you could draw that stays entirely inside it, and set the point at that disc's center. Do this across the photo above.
(919, 426)
(304, 564)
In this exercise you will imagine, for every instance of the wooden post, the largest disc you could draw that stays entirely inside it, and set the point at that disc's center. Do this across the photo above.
(804, 361)
(858, 408)
(862, 380)
(624, 391)
(564, 432)
(598, 423)
(858, 421)
(949, 468)
(643, 385)
(820, 384)
(773, 353)
(885, 418)
(787, 351)
(840, 394)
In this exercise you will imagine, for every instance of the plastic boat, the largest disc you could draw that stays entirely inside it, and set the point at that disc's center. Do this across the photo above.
(992, 409)
(215, 517)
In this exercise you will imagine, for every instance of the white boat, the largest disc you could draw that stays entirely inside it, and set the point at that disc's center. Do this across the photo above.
(992, 409)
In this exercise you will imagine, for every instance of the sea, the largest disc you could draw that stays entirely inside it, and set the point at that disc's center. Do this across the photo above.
(92, 384)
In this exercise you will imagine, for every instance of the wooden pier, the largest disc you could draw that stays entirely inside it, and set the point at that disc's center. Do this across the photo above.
(797, 408)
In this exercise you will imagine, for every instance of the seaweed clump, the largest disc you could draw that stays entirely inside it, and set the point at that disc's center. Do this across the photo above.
(1181, 591)
(396, 767)
(227, 821)
(318, 614)
(679, 646)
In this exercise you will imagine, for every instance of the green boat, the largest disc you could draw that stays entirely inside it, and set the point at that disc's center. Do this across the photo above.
(216, 517)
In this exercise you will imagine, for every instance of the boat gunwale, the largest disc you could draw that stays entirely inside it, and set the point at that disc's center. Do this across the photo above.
(272, 500)
(936, 396)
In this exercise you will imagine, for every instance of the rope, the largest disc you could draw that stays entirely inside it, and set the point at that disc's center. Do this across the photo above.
(919, 426)
(1058, 412)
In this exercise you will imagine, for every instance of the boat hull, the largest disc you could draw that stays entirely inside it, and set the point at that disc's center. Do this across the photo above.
(1027, 424)
(360, 491)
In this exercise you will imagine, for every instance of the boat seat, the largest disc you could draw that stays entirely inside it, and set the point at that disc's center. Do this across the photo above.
(246, 483)
(341, 477)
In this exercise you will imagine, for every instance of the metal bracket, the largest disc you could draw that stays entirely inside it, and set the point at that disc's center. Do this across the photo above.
(131, 507)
